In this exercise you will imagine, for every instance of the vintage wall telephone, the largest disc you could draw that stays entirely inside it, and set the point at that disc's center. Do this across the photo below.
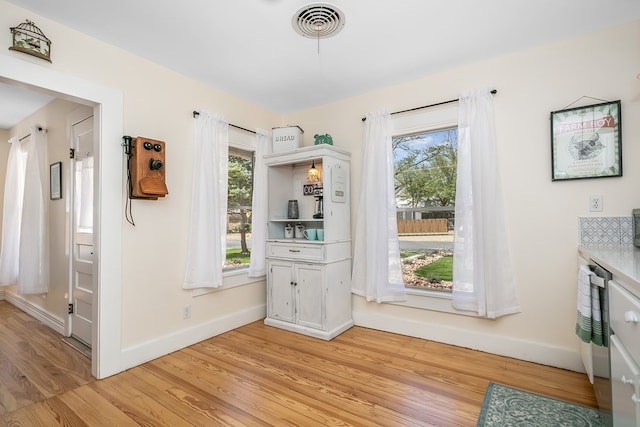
(146, 167)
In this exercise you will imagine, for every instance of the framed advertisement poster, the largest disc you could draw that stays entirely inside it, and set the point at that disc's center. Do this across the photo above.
(586, 142)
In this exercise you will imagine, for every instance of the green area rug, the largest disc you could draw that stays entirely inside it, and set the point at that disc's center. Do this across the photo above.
(508, 406)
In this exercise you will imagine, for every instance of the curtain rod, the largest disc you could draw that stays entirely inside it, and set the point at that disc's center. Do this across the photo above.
(493, 92)
(197, 113)
(40, 129)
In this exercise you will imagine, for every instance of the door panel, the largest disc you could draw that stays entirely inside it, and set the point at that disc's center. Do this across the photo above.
(309, 299)
(82, 236)
(281, 291)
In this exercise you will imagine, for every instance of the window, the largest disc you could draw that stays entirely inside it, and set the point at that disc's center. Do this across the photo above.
(239, 200)
(425, 181)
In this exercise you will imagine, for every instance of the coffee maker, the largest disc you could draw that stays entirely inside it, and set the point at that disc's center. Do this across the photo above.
(318, 209)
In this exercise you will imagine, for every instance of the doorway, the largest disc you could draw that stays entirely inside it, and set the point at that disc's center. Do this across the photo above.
(107, 107)
(81, 253)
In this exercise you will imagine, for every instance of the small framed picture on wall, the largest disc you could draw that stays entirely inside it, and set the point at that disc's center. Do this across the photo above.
(55, 181)
(586, 142)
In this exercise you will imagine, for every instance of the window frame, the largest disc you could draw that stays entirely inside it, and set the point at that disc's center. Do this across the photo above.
(427, 120)
(234, 278)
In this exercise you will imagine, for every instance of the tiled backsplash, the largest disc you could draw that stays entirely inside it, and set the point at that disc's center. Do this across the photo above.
(606, 231)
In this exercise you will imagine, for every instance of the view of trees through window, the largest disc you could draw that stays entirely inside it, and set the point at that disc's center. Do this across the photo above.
(239, 200)
(425, 183)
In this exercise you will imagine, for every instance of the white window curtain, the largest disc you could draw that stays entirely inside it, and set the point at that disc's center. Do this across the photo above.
(257, 260)
(33, 269)
(482, 276)
(377, 271)
(12, 213)
(206, 250)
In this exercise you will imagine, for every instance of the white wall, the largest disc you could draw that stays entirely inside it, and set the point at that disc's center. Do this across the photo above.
(53, 117)
(542, 216)
(157, 104)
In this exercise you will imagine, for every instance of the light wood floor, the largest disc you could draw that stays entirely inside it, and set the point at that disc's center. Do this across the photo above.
(262, 376)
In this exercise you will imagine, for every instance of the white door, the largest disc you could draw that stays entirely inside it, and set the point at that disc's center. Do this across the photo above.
(82, 230)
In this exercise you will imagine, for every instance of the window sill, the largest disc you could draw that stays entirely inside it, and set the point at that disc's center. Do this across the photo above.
(431, 300)
(231, 279)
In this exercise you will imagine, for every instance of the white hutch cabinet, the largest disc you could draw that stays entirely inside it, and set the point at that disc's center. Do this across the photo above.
(309, 281)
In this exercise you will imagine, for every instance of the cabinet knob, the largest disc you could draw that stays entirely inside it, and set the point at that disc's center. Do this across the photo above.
(630, 317)
(634, 399)
(626, 380)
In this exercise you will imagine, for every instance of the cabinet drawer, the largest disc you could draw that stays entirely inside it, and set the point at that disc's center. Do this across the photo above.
(295, 251)
(624, 386)
(624, 315)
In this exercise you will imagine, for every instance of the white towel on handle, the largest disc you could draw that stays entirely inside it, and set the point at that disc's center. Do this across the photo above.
(584, 290)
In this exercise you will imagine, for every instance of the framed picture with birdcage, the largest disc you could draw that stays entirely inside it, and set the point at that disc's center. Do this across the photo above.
(586, 142)
(29, 39)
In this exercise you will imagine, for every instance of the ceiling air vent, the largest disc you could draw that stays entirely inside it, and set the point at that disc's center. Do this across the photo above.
(318, 20)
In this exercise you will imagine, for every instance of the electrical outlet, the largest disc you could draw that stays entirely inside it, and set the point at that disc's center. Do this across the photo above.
(186, 312)
(595, 204)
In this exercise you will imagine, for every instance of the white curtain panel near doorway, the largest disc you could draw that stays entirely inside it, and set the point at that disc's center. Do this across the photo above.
(24, 258)
(206, 250)
(12, 213)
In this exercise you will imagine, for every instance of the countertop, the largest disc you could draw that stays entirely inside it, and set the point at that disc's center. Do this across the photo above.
(622, 261)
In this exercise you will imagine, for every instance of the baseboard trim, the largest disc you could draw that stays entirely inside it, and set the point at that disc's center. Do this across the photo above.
(48, 319)
(504, 346)
(144, 352)
(316, 333)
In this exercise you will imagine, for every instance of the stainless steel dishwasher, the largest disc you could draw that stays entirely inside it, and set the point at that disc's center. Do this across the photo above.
(596, 358)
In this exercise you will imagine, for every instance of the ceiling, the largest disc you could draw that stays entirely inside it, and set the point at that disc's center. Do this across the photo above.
(250, 49)
(17, 103)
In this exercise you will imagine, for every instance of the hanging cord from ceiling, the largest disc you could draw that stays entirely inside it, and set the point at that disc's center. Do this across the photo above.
(493, 92)
(197, 113)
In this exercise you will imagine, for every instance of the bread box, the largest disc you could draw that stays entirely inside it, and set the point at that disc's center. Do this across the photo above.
(287, 138)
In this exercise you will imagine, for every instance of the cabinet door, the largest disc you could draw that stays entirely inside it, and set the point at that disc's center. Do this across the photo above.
(624, 385)
(281, 296)
(310, 298)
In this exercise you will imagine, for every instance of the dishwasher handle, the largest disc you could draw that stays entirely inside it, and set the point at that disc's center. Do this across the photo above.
(598, 281)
